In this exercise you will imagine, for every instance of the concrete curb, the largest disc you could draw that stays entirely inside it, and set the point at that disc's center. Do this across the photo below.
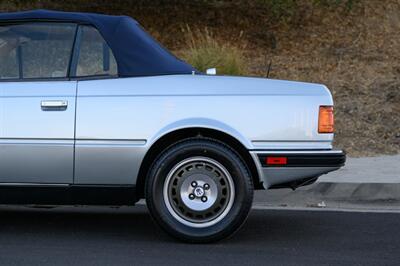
(334, 195)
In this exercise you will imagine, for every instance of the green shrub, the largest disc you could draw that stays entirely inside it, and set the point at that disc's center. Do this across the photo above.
(205, 51)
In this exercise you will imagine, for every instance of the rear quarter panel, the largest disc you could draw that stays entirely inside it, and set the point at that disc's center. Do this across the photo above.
(123, 117)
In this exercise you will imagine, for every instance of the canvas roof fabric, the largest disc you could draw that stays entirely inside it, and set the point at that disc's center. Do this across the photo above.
(136, 52)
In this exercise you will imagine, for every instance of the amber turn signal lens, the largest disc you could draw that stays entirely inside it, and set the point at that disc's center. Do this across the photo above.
(325, 120)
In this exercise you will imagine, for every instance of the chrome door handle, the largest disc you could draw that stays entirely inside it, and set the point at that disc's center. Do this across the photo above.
(54, 105)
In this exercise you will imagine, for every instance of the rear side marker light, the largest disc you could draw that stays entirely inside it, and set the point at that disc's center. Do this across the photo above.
(325, 119)
(276, 160)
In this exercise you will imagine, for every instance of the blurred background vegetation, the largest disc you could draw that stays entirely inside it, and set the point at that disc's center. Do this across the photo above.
(352, 46)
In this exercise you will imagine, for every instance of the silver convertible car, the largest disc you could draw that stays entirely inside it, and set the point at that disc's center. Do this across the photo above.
(93, 111)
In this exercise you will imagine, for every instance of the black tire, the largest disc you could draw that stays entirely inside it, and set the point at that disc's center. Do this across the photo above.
(232, 213)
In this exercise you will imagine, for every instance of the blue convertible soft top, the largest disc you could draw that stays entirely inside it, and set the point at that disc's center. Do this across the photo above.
(136, 52)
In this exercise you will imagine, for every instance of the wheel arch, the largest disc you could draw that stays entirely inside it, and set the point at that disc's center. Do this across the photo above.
(171, 137)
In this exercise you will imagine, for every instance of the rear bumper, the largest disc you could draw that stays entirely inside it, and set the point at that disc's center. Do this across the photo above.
(298, 167)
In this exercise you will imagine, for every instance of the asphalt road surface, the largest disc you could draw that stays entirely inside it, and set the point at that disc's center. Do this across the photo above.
(127, 236)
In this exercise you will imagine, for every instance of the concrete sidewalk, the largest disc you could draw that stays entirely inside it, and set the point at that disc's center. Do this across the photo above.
(364, 183)
(382, 169)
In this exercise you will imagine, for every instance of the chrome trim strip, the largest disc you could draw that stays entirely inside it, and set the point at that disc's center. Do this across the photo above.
(292, 145)
(111, 142)
(88, 142)
(36, 141)
(33, 185)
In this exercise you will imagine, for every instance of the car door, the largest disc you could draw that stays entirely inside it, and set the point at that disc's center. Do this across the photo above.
(37, 103)
(99, 160)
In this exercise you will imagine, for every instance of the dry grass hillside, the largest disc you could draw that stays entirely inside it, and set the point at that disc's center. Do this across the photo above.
(352, 46)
